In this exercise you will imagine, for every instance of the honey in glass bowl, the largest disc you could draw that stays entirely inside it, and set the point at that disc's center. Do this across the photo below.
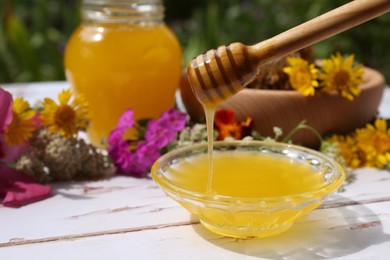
(258, 188)
(246, 174)
(123, 56)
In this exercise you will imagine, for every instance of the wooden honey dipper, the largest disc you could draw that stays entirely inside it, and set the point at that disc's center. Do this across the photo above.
(220, 73)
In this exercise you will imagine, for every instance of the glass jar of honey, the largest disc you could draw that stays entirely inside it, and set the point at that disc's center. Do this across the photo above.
(123, 56)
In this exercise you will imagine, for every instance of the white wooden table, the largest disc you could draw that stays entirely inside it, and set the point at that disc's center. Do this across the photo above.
(129, 218)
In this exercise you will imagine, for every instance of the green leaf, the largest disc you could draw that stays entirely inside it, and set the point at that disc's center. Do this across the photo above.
(19, 41)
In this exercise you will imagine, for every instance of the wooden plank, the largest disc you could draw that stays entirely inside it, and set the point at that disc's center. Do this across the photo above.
(33, 92)
(114, 204)
(122, 204)
(384, 107)
(349, 232)
(371, 185)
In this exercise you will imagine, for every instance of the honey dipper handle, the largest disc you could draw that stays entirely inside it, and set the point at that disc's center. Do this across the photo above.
(319, 28)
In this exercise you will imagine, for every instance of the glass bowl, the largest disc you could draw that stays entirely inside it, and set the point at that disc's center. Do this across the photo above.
(240, 212)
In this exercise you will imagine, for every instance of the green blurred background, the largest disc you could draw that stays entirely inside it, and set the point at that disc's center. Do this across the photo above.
(33, 33)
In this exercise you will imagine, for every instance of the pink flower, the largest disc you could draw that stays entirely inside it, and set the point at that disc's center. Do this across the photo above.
(6, 114)
(159, 132)
(10, 153)
(18, 189)
(147, 154)
(163, 130)
(143, 158)
(118, 148)
(177, 120)
(120, 154)
(115, 136)
(136, 160)
(125, 121)
(7, 154)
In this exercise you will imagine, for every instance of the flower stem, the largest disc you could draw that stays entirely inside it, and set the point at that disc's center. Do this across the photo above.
(9, 164)
(302, 125)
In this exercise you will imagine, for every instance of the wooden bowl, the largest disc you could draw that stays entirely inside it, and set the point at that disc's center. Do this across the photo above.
(326, 112)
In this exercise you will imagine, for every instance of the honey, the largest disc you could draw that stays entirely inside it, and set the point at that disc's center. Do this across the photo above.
(248, 174)
(122, 63)
(252, 194)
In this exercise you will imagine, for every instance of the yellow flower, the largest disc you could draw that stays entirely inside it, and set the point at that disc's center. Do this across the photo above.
(341, 75)
(348, 150)
(22, 126)
(302, 75)
(68, 116)
(383, 160)
(374, 142)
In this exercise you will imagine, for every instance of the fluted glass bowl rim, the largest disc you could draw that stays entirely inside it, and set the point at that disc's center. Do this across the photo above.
(337, 171)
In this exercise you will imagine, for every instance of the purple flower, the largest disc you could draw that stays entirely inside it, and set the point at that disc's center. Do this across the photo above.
(163, 130)
(10, 153)
(5, 109)
(120, 155)
(177, 120)
(7, 153)
(115, 136)
(140, 160)
(125, 121)
(135, 169)
(159, 132)
(6, 116)
(147, 154)
(118, 148)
